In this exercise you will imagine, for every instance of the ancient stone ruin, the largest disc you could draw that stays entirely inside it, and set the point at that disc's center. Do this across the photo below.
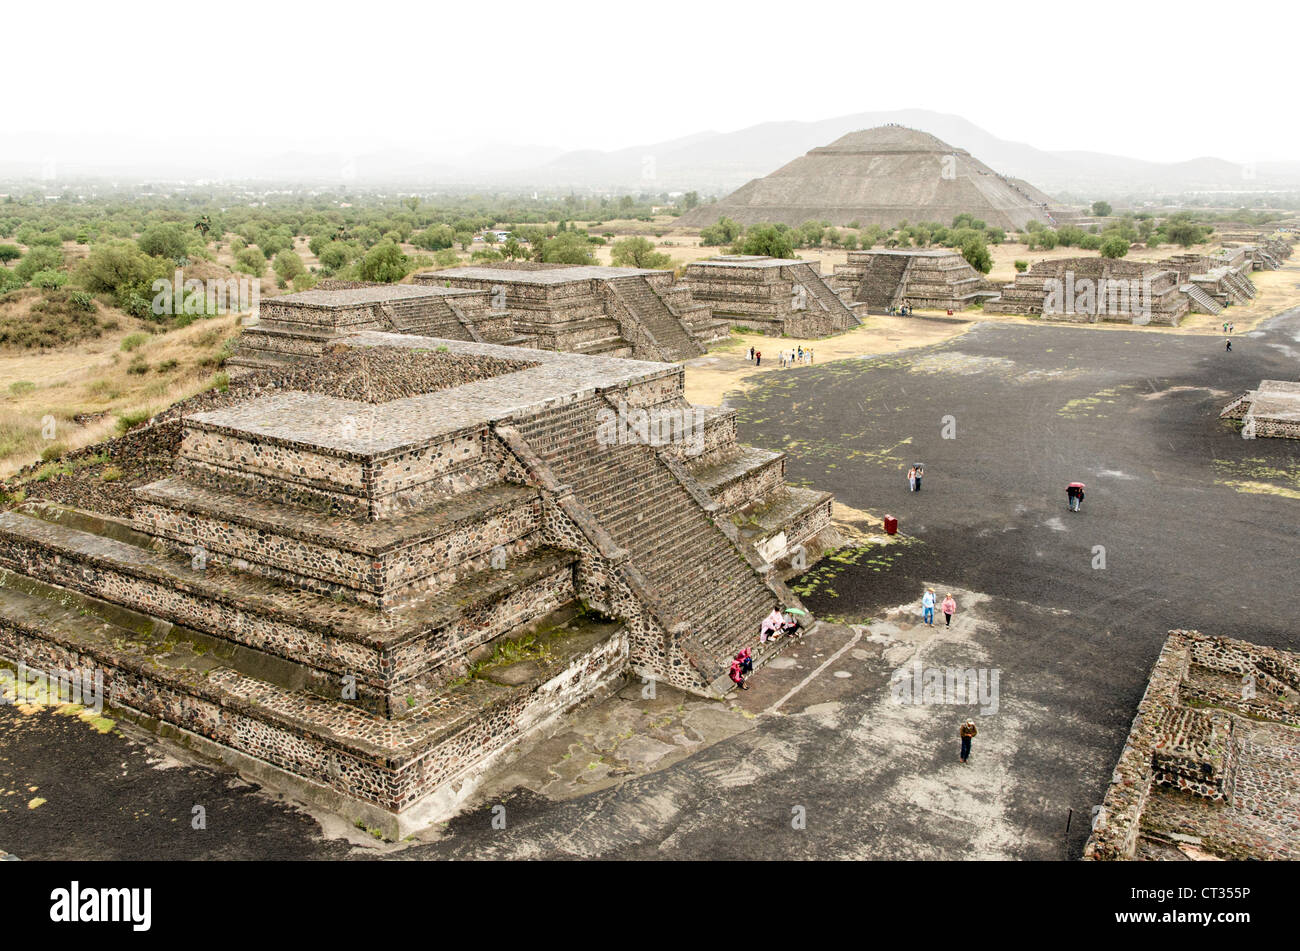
(1272, 410)
(882, 176)
(618, 312)
(299, 326)
(1092, 289)
(367, 577)
(1209, 769)
(773, 295)
(614, 311)
(934, 280)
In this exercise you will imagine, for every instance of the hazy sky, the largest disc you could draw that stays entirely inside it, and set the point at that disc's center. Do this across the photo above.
(251, 77)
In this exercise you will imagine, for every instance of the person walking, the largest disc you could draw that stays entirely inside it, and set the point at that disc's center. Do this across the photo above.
(967, 733)
(920, 471)
(949, 609)
(1229, 346)
(1074, 496)
(911, 479)
(758, 358)
(927, 607)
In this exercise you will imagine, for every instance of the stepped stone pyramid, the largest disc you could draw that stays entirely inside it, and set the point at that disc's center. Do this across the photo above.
(937, 280)
(611, 311)
(775, 295)
(882, 176)
(1088, 290)
(368, 577)
(297, 326)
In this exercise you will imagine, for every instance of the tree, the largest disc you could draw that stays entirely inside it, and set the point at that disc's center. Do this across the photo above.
(1101, 209)
(976, 253)
(167, 241)
(1114, 247)
(724, 232)
(639, 252)
(690, 200)
(336, 255)
(38, 259)
(118, 266)
(251, 261)
(9, 252)
(772, 240)
(567, 248)
(288, 265)
(385, 262)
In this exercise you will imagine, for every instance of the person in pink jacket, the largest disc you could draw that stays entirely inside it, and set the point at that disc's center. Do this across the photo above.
(949, 609)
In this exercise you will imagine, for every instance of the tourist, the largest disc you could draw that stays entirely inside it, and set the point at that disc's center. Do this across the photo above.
(801, 354)
(1229, 346)
(949, 609)
(927, 606)
(738, 675)
(968, 731)
(780, 359)
(789, 623)
(751, 354)
(1074, 496)
(920, 471)
(758, 358)
(1232, 327)
(771, 626)
(810, 354)
(911, 479)
(746, 661)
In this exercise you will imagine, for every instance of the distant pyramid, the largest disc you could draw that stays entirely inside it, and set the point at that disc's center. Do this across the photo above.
(882, 176)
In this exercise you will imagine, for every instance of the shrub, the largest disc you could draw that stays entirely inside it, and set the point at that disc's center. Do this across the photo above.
(49, 280)
(133, 342)
(36, 260)
(1022, 266)
(1115, 247)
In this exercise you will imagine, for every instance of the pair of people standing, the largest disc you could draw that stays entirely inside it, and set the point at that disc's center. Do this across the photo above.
(949, 607)
(914, 475)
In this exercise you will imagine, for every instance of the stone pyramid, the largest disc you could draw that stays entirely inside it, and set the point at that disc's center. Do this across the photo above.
(881, 176)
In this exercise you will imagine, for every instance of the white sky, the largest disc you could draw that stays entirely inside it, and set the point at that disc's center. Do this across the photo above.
(1096, 75)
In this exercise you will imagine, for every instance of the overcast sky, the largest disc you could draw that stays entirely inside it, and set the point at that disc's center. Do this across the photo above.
(1139, 78)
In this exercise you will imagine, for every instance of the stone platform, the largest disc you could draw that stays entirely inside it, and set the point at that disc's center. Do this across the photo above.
(929, 279)
(1211, 768)
(777, 296)
(604, 311)
(1272, 410)
(369, 577)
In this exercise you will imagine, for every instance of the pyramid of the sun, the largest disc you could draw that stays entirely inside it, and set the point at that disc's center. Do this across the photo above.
(882, 176)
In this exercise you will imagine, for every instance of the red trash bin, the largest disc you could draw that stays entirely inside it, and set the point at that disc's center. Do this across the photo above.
(891, 525)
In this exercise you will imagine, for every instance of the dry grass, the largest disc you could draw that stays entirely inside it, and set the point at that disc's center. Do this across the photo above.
(72, 396)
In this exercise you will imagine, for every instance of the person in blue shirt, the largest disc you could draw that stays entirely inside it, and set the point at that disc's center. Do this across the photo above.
(927, 603)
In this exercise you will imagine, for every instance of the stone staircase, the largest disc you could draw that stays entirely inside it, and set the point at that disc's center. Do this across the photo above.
(1241, 284)
(674, 338)
(1203, 301)
(883, 283)
(426, 318)
(830, 301)
(700, 573)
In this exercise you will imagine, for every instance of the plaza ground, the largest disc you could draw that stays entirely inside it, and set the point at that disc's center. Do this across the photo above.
(1196, 527)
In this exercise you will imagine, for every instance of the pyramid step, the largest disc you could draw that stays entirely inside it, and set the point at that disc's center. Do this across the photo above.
(374, 562)
(381, 650)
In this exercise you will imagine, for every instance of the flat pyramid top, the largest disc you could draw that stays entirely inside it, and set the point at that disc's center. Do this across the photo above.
(889, 138)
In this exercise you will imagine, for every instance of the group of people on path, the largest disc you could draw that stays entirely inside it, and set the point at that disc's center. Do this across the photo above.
(914, 475)
(787, 358)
